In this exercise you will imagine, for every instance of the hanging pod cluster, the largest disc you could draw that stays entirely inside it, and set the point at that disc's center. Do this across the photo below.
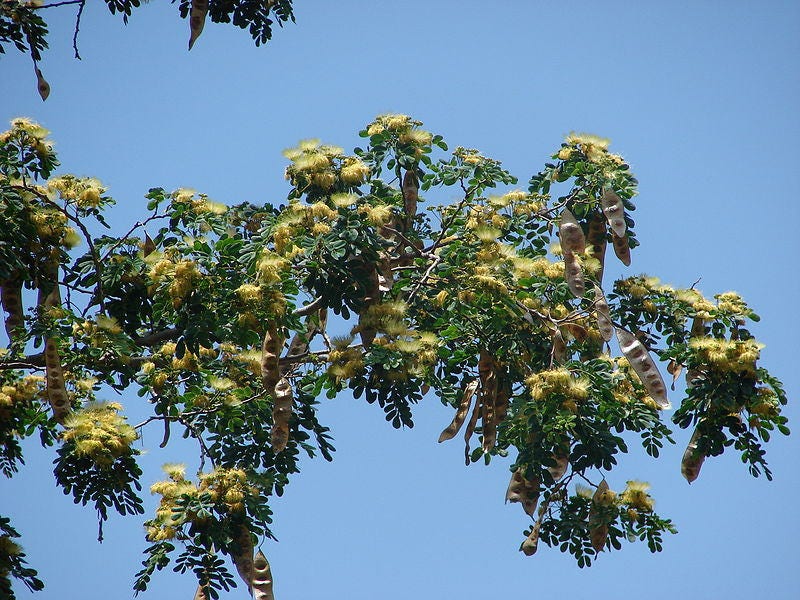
(491, 405)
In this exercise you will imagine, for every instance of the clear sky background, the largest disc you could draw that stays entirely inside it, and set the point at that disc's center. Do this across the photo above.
(702, 99)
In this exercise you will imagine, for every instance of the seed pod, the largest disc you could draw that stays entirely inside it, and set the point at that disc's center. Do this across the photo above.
(614, 211)
(200, 593)
(410, 190)
(596, 241)
(197, 19)
(242, 554)
(603, 317)
(645, 367)
(281, 413)
(262, 578)
(574, 274)
(621, 248)
(11, 300)
(473, 421)
(531, 543)
(559, 346)
(561, 456)
(41, 84)
(692, 459)
(488, 396)
(148, 245)
(675, 369)
(524, 491)
(570, 233)
(458, 420)
(270, 354)
(372, 295)
(598, 531)
(54, 375)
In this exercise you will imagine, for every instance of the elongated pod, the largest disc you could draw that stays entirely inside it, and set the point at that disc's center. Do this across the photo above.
(604, 324)
(281, 414)
(524, 491)
(598, 530)
(570, 233)
(242, 554)
(614, 211)
(596, 241)
(644, 366)
(270, 355)
(692, 460)
(621, 248)
(41, 84)
(197, 20)
(573, 273)
(461, 414)
(11, 299)
(262, 578)
(531, 543)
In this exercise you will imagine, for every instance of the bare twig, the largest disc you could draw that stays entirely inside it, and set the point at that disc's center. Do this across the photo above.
(81, 6)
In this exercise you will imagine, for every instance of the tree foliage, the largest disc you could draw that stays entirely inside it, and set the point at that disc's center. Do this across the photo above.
(230, 322)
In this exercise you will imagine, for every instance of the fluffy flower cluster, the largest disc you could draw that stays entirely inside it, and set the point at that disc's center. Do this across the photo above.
(99, 432)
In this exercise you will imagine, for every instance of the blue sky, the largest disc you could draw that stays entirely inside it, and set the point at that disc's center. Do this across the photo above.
(702, 99)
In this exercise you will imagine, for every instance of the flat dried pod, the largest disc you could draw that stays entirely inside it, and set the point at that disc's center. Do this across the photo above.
(644, 366)
(531, 543)
(372, 295)
(262, 578)
(573, 273)
(473, 421)
(197, 20)
(621, 248)
(488, 396)
(614, 211)
(603, 315)
(41, 84)
(598, 531)
(559, 346)
(270, 356)
(410, 188)
(698, 327)
(11, 300)
(524, 491)
(675, 369)
(54, 376)
(281, 413)
(596, 240)
(570, 233)
(242, 554)
(461, 414)
(692, 460)
(561, 456)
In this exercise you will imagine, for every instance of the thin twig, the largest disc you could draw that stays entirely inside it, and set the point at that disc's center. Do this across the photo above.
(77, 29)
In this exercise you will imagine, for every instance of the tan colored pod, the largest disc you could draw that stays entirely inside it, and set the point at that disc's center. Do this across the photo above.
(11, 300)
(41, 85)
(270, 355)
(197, 20)
(644, 366)
(598, 531)
(692, 460)
(570, 233)
(243, 557)
(603, 315)
(621, 248)
(461, 414)
(54, 375)
(524, 491)
(573, 273)
(614, 211)
(281, 414)
(531, 543)
(596, 241)
(262, 578)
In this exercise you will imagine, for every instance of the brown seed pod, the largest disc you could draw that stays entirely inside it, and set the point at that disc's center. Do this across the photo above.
(372, 295)
(270, 354)
(524, 491)
(410, 190)
(41, 84)
(596, 241)
(200, 593)
(473, 421)
(621, 248)
(573, 273)
(242, 554)
(559, 346)
(281, 413)
(488, 397)
(148, 245)
(598, 531)
(197, 19)
(692, 460)
(561, 456)
(54, 375)
(570, 233)
(531, 543)
(614, 211)
(644, 366)
(11, 300)
(603, 317)
(458, 420)
(262, 578)
(675, 369)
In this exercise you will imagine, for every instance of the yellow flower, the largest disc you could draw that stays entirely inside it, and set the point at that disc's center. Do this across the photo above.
(354, 172)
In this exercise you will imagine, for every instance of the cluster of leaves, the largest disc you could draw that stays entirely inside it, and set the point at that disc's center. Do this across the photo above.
(22, 23)
(232, 321)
